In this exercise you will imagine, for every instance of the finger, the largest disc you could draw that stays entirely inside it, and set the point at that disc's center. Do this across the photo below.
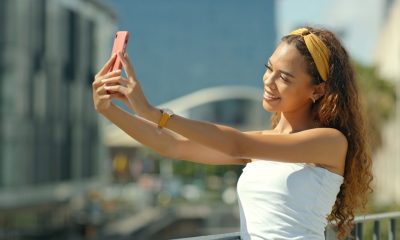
(107, 66)
(98, 80)
(116, 89)
(102, 90)
(96, 83)
(105, 97)
(127, 64)
(117, 96)
(114, 80)
(110, 74)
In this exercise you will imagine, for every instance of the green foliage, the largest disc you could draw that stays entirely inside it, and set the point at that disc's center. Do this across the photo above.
(189, 169)
(379, 99)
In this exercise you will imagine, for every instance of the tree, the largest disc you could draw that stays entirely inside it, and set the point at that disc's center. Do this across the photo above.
(379, 100)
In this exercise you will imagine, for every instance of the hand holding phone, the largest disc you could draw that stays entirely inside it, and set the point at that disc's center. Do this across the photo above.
(120, 42)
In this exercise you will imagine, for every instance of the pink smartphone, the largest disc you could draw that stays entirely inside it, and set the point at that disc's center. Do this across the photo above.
(120, 42)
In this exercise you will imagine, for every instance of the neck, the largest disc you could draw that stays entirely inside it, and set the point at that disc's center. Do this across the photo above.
(291, 122)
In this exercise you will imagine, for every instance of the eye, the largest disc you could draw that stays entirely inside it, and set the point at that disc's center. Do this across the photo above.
(284, 78)
(268, 67)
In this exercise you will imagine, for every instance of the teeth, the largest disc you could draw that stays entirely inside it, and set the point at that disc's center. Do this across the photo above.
(266, 95)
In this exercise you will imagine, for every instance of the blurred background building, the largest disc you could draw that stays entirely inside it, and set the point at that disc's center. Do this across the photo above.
(50, 150)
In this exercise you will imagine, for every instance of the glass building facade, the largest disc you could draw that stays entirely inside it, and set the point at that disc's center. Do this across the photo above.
(50, 148)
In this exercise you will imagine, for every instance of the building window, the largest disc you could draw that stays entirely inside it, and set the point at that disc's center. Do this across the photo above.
(66, 154)
(40, 35)
(70, 70)
(3, 22)
(91, 52)
(39, 42)
(3, 30)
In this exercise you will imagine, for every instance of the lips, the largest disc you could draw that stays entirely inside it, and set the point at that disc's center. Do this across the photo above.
(270, 97)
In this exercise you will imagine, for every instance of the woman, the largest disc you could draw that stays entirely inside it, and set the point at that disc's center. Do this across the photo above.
(312, 167)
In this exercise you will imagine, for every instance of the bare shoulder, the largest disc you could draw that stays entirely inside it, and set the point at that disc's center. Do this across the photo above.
(323, 147)
(330, 138)
(335, 144)
(330, 134)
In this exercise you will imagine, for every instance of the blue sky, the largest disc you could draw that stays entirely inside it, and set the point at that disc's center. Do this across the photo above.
(179, 46)
(360, 21)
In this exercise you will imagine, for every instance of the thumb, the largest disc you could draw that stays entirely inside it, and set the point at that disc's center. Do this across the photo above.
(128, 66)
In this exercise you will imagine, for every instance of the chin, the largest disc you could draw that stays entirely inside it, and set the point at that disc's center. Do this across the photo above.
(268, 107)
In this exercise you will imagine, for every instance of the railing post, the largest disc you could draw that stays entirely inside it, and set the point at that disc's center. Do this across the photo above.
(377, 229)
(359, 231)
(330, 233)
(392, 229)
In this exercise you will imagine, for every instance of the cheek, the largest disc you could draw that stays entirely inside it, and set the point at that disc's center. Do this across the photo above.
(292, 97)
(284, 90)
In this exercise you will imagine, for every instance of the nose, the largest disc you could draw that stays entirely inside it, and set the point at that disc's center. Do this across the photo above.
(269, 80)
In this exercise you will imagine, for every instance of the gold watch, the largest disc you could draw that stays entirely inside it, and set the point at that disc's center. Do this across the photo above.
(166, 114)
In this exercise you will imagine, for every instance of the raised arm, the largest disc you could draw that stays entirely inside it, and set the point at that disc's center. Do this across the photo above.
(325, 146)
(165, 142)
(321, 146)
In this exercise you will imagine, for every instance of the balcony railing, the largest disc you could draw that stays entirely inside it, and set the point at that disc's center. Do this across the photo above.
(330, 234)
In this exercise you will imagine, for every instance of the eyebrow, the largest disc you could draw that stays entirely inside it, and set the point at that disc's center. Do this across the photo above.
(284, 72)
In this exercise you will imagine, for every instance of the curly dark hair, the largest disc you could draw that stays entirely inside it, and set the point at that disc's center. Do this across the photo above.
(340, 108)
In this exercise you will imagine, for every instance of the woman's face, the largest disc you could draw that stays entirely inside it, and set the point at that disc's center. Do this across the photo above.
(287, 85)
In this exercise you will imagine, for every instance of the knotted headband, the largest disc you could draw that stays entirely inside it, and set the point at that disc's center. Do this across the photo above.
(318, 50)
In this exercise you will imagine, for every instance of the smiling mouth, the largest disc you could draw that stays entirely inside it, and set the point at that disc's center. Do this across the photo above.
(270, 97)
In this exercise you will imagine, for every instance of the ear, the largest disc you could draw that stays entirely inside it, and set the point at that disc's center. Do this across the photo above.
(319, 91)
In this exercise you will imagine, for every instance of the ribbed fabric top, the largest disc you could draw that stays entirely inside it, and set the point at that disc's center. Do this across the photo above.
(279, 200)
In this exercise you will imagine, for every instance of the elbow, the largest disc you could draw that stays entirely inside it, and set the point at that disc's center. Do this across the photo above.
(234, 150)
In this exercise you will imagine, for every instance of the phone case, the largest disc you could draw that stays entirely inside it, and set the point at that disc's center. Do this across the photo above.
(120, 42)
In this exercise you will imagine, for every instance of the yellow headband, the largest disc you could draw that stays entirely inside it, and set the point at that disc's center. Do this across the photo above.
(318, 50)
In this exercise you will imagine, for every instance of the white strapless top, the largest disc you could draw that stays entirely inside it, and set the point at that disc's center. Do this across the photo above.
(279, 200)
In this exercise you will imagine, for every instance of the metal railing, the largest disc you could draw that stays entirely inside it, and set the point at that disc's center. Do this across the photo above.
(330, 233)
(377, 220)
(224, 236)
